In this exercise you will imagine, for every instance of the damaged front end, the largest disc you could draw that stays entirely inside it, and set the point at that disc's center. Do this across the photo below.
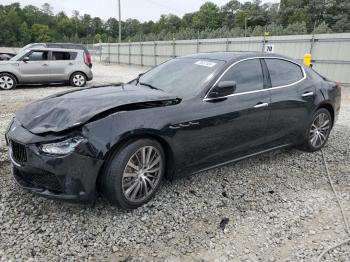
(67, 174)
(58, 145)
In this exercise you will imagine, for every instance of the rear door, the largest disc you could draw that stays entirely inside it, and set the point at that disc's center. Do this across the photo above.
(61, 65)
(291, 99)
(37, 69)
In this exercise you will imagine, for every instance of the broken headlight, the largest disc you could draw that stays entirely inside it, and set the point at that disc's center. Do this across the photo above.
(62, 148)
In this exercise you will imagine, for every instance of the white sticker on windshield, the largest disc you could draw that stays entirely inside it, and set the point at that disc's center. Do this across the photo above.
(205, 63)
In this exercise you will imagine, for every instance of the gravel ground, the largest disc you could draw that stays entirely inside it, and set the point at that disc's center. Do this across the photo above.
(275, 207)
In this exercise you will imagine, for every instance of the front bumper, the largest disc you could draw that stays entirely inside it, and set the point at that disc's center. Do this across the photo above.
(69, 178)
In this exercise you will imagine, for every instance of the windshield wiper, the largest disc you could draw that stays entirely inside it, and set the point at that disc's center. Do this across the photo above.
(150, 86)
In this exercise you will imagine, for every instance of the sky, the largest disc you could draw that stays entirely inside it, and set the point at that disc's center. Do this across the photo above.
(143, 10)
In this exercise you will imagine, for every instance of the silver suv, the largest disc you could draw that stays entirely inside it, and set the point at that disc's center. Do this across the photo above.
(46, 65)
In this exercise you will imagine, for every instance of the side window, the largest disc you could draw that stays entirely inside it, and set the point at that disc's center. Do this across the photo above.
(283, 72)
(247, 74)
(73, 55)
(38, 56)
(61, 56)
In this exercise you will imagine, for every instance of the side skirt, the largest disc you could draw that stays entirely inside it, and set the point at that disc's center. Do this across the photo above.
(243, 157)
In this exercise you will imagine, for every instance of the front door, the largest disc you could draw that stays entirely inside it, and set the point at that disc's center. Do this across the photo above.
(36, 69)
(222, 129)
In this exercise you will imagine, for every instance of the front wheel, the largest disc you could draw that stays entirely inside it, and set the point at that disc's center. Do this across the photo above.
(7, 81)
(78, 80)
(134, 173)
(318, 130)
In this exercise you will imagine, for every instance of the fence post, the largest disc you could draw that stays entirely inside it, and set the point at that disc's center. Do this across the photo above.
(109, 52)
(197, 44)
(118, 53)
(129, 52)
(100, 52)
(174, 48)
(155, 53)
(263, 44)
(141, 51)
(312, 44)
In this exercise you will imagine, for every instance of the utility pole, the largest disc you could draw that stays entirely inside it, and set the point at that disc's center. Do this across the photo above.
(245, 26)
(120, 23)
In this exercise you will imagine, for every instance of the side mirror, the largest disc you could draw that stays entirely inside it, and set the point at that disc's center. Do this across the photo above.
(25, 59)
(223, 88)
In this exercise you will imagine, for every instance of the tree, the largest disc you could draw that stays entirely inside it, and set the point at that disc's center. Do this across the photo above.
(19, 26)
(169, 23)
(208, 17)
(47, 9)
(228, 13)
(25, 34)
(322, 28)
(40, 33)
(300, 15)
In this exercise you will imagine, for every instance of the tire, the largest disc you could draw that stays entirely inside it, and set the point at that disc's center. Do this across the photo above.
(318, 130)
(78, 79)
(7, 81)
(127, 183)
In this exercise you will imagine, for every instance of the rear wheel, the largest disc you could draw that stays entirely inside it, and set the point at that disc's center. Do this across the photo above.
(134, 173)
(7, 81)
(318, 130)
(78, 80)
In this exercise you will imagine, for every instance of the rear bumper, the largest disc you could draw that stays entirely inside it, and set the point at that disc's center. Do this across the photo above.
(90, 77)
(89, 74)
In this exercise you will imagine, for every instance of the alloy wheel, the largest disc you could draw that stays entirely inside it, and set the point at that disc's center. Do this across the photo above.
(320, 130)
(142, 174)
(6, 82)
(78, 80)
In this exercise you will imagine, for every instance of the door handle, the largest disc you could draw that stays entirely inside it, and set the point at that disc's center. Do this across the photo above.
(307, 94)
(260, 105)
(70, 64)
(45, 65)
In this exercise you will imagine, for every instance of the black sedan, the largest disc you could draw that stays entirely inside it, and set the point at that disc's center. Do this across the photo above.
(184, 116)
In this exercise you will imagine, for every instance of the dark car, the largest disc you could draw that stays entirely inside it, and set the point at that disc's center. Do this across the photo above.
(8, 56)
(187, 115)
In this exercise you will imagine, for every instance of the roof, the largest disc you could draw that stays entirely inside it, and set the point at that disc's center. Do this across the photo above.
(231, 56)
(55, 49)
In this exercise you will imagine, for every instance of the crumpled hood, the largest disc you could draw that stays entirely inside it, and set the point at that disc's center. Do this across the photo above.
(73, 108)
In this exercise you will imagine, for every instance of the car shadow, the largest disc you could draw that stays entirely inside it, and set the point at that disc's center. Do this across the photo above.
(35, 86)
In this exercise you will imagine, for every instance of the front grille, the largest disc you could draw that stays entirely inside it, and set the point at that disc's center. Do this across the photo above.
(19, 152)
(41, 180)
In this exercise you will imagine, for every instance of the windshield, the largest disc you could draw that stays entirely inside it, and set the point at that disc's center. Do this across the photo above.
(184, 77)
(25, 49)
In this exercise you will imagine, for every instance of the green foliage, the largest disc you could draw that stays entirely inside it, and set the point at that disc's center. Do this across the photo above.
(208, 17)
(40, 33)
(24, 34)
(22, 25)
(323, 28)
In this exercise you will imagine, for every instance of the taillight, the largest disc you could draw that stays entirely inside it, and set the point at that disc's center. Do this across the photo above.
(338, 87)
(87, 59)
